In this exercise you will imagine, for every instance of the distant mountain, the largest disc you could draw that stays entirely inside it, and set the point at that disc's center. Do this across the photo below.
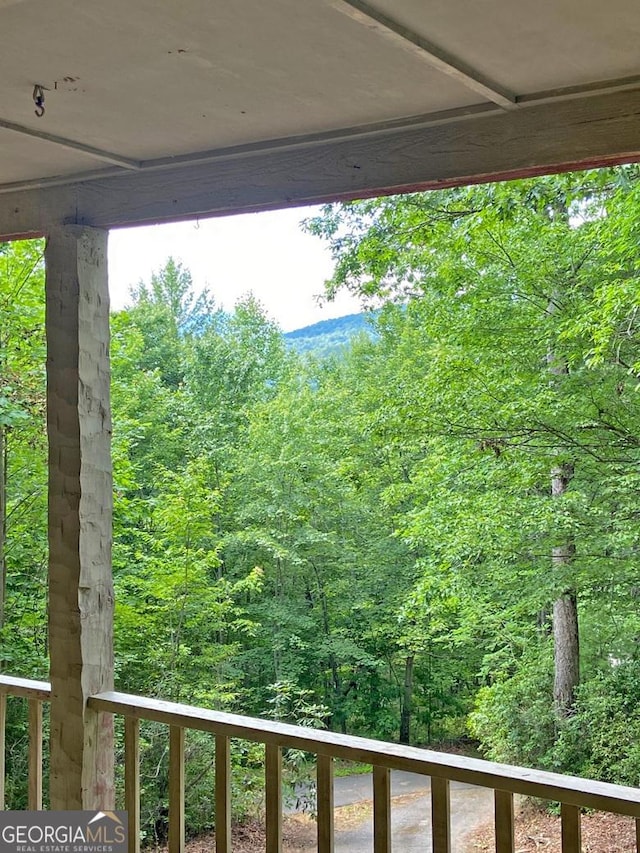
(329, 336)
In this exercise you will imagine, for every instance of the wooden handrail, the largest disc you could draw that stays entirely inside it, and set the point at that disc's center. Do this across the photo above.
(26, 687)
(573, 790)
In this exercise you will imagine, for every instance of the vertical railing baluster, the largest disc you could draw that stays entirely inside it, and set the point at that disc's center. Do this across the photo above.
(637, 835)
(35, 755)
(3, 734)
(132, 780)
(324, 793)
(273, 797)
(440, 815)
(504, 822)
(571, 828)
(381, 810)
(176, 789)
(223, 794)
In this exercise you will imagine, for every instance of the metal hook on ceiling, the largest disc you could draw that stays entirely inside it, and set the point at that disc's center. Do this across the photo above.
(38, 100)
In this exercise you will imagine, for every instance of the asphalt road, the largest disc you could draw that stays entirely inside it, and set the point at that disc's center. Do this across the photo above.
(410, 812)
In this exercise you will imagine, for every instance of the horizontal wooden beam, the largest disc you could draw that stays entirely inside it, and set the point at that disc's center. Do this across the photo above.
(250, 149)
(27, 687)
(534, 139)
(452, 66)
(72, 144)
(584, 793)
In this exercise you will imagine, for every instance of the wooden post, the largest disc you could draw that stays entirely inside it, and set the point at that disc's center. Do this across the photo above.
(504, 821)
(3, 728)
(381, 809)
(324, 789)
(571, 831)
(273, 797)
(80, 509)
(132, 780)
(440, 815)
(176, 789)
(35, 755)
(223, 794)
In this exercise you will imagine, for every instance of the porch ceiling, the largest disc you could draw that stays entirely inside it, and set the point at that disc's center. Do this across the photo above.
(161, 109)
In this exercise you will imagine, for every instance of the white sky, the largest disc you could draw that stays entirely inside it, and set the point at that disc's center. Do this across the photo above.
(265, 253)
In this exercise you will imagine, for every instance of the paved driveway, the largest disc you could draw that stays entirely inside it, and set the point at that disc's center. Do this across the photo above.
(410, 812)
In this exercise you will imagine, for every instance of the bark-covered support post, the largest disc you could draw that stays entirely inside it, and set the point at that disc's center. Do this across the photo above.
(80, 516)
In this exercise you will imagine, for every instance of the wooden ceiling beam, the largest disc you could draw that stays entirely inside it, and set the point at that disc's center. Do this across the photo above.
(441, 60)
(72, 144)
(537, 139)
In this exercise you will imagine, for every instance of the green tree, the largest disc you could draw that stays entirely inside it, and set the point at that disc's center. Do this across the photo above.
(520, 411)
(180, 622)
(166, 312)
(310, 508)
(23, 495)
(22, 458)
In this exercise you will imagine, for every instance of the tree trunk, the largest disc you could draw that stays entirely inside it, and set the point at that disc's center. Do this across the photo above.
(543, 621)
(566, 647)
(339, 694)
(407, 701)
(567, 656)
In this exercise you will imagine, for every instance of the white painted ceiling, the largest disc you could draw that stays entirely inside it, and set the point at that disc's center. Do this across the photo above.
(146, 79)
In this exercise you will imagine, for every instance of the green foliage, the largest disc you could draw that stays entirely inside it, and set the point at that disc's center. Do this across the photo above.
(513, 716)
(166, 313)
(601, 740)
(23, 497)
(180, 620)
(247, 782)
(293, 705)
(497, 284)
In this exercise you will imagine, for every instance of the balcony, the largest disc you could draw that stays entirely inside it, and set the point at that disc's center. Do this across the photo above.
(574, 794)
(396, 113)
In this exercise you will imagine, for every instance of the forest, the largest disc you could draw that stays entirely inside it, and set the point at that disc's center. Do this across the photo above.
(430, 533)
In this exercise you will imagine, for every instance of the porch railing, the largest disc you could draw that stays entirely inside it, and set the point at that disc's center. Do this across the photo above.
(506, 781)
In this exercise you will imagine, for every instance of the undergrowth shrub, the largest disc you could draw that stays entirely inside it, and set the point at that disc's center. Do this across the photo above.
(513, 718)
(601, 739)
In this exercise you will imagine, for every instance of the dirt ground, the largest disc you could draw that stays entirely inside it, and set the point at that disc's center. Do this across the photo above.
(536, 832)
(539, 832)
(299, 836)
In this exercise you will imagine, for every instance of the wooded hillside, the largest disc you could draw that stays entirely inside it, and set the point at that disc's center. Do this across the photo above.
(331, 337)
